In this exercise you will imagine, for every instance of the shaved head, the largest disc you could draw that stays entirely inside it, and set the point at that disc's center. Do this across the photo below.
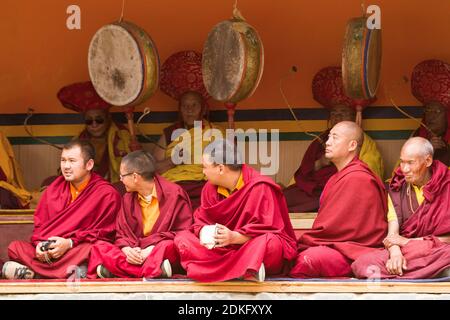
(352, 131)
(344, 143)
(418, 146)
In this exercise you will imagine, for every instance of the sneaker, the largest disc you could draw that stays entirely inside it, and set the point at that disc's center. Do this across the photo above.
(13, 270)
(102, 272)
(261, 275)
(444, 274)
(166, 269)
(258, 277)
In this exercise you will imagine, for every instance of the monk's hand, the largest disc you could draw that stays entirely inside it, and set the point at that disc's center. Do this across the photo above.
(58, 248)
(224, 237)
(438, 143)
(40, 255)
(133, 255)
(397, 262)
(146, 252)
(395, 240)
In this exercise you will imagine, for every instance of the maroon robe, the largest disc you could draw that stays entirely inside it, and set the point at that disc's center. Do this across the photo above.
(304, 195)
(424, 258)
(257, 210)
(175, 216)
(351, 220)
(88, 219)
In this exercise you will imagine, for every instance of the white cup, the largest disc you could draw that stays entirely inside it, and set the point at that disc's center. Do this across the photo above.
(207, 236)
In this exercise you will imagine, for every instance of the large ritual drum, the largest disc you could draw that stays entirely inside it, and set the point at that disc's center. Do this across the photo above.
(123, 64)
(361, 59)
(233, 61)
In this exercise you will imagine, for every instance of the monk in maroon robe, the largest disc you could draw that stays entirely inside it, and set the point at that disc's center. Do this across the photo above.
(351, 218)
(145, 229)
(418, 242)
(252, 235)
(77, 209)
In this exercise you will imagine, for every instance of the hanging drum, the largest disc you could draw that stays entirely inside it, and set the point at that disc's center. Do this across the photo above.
(361, 59)
(233, 62)
(123, 64)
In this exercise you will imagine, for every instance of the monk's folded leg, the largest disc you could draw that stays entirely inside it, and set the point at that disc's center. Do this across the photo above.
(320, 261)
(372, 265)
(25, 253)
(273, 257)
(113, 259)
(163, 250)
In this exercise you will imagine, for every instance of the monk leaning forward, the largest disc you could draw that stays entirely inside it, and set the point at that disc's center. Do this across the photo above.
(418, 242)
(242, 228)
(154, 210)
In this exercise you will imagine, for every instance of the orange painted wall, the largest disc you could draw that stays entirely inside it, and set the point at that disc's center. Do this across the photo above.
(40, 55)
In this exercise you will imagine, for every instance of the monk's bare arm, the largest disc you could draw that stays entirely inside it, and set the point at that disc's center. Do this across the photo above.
(162, 164)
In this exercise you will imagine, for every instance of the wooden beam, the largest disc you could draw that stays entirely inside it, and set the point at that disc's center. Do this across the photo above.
(27, 287)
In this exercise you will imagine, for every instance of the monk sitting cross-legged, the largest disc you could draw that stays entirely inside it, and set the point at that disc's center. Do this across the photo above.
(418, 242)
(152, 213)
(76, 210)
(351, 218)
(242, 228)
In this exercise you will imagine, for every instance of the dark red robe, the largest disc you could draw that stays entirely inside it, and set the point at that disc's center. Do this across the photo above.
(443, 154)
(89, 218)
(424, 258)
(257, 210)
(351, 219)
(304, 195)
(175, 216)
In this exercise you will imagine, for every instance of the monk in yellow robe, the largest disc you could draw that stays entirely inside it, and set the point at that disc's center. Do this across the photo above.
(13, 194)
(181, 79)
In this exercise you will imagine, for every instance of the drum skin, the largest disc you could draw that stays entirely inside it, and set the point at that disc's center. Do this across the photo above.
(123, 64)
(361, 60)
(233, 61)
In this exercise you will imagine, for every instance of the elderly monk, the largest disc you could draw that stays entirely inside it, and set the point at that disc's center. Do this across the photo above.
(252, 234)
(315, 169)
(13, 194)
(110, 140)
(154, 210)
(181, 79)
(418, 241)
(76, 210)
(430, 84)
(351, 219)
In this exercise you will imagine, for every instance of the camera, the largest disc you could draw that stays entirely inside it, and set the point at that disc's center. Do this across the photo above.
(45, 244)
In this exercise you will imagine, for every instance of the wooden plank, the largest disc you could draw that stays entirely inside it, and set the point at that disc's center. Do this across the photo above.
(229, 286)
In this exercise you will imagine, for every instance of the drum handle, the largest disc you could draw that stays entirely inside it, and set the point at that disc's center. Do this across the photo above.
(231, 107)
(134, 144)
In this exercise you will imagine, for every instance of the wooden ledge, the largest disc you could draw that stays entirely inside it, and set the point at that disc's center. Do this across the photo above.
(28, 287)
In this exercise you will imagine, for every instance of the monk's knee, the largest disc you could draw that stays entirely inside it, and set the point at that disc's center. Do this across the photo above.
(367, 266)
(15, 247)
